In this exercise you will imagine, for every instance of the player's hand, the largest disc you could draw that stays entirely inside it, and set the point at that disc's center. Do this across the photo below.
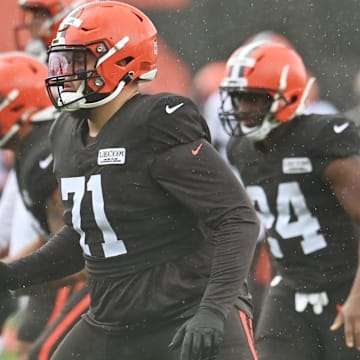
(200, 336)
(349, 317)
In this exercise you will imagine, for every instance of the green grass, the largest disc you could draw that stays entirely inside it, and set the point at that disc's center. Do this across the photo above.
(7, 356)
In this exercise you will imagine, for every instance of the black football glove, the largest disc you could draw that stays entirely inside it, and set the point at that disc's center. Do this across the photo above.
(200, 336)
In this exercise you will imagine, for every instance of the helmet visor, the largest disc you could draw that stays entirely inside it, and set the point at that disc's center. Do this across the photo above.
(67, 63)
(67, 70)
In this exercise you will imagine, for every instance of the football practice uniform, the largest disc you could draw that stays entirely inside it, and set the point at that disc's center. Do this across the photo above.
(130, 196)
(312, 239)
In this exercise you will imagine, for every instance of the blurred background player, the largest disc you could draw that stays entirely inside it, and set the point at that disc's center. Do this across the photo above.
(261, 273)
(25, 121)
(303, 176)
(38, 24)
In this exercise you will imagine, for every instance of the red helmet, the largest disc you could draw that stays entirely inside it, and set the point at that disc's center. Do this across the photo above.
(22, 92)
(120, 40)
(50, 15)
(268, 68)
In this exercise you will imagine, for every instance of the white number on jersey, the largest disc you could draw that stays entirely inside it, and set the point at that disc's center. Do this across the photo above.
(112, 246)
(290, 200)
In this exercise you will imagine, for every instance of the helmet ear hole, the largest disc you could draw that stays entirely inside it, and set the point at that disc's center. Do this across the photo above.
(293, 99)
(17, 108)
(124, 62)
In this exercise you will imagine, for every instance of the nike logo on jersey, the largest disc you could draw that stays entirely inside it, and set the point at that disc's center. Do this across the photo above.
(170, 109)
(296, 165)
(340, 128)
(197, 150)
(46, 162)
(111, 156)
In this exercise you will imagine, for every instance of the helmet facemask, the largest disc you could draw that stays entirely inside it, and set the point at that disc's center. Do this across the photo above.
(255, 125)
(74, 82)
(73, 78)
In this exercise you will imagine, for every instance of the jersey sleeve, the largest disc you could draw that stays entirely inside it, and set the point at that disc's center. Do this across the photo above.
(59, 257)
(199, 178)
(175, 120)
(338, 138)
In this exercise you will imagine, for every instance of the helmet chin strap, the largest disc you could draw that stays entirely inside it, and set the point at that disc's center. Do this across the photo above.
(259, 133)
(70, 101)
(75, 100)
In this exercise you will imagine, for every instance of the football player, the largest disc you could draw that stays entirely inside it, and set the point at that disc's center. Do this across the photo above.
(163, 226)
(26, 115)
(302, 174)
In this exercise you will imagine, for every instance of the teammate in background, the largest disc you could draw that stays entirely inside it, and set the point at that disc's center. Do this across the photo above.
(39, 23)
(261, 270)
(167, 246)
(303, 177)
(25, 121)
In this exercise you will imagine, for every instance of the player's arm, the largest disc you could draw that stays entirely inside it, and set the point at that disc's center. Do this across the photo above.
(28, 249)
(60, 257)
(55, 218)
(54, 212)
(344, 176)
(199, 178)
(190, 169)
(52, 285)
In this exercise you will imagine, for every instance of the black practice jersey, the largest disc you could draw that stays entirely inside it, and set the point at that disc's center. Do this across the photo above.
(311, 237)
(33, 165)
(135, 194)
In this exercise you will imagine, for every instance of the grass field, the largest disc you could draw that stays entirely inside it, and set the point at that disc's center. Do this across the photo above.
(7, 356)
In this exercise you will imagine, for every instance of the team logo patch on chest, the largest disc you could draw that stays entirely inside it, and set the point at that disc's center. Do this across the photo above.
(296, 165)
(111, 156)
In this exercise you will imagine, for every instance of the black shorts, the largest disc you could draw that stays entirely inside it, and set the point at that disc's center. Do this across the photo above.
(282, 333)
(87, 342)
(77, 304)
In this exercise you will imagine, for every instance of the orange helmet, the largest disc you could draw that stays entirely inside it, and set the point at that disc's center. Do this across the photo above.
(120, 38)
(267, 68)
(22, 92)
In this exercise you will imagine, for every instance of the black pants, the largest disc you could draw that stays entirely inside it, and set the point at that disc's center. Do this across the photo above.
(282, 333)
(86, 342)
